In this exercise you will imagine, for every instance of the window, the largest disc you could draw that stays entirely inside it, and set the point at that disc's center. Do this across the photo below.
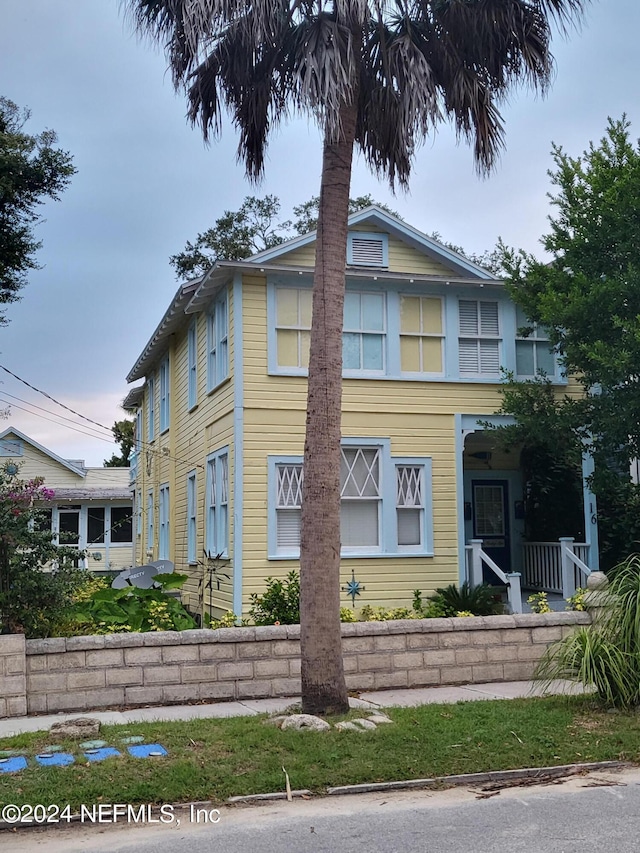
(410, 506)
(151, 409)
(217, 504)
(163, 512)
(10, 447)
(121, 529)
(534, 353)
(95, 525)
(150, 514)
(138, 431)
(69, 525)
(288, 507)
(217, 343)
(385, 502)
(364, 331)
(293, 324)
(137, 511)
(421, 334)
(191, 518)
(360, 494)
(164, 395)
(479, 341)
(192, 365)
(367, 250)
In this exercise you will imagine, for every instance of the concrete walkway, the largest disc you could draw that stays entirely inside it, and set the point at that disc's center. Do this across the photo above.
(252, 707)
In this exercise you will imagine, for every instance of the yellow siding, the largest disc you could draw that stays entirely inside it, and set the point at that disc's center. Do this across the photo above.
(402, 257)
(35, 463)
(183, 448)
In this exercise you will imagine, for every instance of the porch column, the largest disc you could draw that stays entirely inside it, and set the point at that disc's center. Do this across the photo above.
(568, 571)
(590, 513)
(476, 563)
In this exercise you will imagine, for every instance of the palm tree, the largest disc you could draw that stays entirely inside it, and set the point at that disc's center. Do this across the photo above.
(379, 75)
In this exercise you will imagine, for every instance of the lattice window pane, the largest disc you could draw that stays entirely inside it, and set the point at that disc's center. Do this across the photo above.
(409, 486)
(289, 486)
(360, 472)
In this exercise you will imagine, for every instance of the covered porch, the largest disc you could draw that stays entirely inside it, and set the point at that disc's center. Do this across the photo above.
(507, 538)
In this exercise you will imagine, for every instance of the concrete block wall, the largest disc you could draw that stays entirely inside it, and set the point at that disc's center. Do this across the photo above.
(84, 673)
(13, 676)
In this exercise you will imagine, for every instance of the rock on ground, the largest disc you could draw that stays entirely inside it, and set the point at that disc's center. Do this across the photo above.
(306, 722)
(80, 727)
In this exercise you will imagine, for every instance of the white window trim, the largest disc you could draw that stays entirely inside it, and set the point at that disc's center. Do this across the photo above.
(192, 365)
(217, 538)
(387, 516)
(192, 518)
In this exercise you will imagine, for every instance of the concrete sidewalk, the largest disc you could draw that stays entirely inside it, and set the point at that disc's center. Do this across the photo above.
(252, 707)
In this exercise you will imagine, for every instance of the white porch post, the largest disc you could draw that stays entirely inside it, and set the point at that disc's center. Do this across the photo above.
(476, 562)
(514, 592)
(568, 572)
(590, 513)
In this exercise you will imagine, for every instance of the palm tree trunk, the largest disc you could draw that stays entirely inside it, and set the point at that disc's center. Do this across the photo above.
(324, 688)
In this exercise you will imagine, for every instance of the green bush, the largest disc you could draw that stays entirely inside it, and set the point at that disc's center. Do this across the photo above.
(451, 600)
(606, 654)
(110, 611)
(280, 602)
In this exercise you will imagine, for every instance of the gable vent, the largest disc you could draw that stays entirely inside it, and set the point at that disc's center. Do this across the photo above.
(367, 251)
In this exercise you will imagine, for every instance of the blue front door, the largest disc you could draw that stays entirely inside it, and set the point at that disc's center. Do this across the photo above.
(490, 500)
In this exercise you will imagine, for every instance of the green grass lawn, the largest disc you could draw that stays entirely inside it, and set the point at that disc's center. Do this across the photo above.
(216, 759)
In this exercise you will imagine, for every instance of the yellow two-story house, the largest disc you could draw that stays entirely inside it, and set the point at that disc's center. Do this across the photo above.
(220, 420)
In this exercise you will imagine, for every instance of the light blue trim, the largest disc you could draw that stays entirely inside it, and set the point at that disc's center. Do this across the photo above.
(388, 521)
(426, 463)
(272, 521)
(192, 365)
(215, 542)
(459, 428)
(384, 220)
(590, 513)
(151, 511)
(164, 515)
(366, 235)
(151, 408)
(192, 513)
(165, 394)
(217, 334)
(238, 441)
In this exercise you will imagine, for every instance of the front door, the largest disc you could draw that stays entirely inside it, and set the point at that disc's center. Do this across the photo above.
(490, 500)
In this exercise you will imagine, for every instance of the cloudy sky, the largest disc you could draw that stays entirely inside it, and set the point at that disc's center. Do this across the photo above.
(146, 184)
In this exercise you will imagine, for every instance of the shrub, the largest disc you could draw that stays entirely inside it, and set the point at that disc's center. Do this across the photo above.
(279, 603)
(479, 601)
(347, 615)
(576, 601)
(606, 654)
(109, 611)
(539, 602)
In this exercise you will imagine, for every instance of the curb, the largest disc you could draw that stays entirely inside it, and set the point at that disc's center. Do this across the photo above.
(553, 772)
(437, 782)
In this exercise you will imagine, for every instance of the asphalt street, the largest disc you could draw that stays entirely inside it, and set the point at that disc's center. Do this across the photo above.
(595, 812)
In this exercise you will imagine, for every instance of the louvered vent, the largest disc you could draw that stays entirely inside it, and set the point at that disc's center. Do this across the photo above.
(367, 251)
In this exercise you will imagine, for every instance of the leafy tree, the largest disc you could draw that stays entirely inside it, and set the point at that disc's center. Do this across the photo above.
(252, 228)
(379, 77)
(588, 298)
(124, 434)
(32, 170)
(32, 601)
(235, 235)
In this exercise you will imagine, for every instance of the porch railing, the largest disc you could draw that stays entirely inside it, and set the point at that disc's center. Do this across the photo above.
(477, 558)
(557, 567)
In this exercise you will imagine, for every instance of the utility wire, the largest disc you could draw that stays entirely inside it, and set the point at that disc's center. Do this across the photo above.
(139, 441)
(49, 412)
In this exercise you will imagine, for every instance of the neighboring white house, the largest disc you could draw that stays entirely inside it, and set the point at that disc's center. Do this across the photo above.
(92, 507)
